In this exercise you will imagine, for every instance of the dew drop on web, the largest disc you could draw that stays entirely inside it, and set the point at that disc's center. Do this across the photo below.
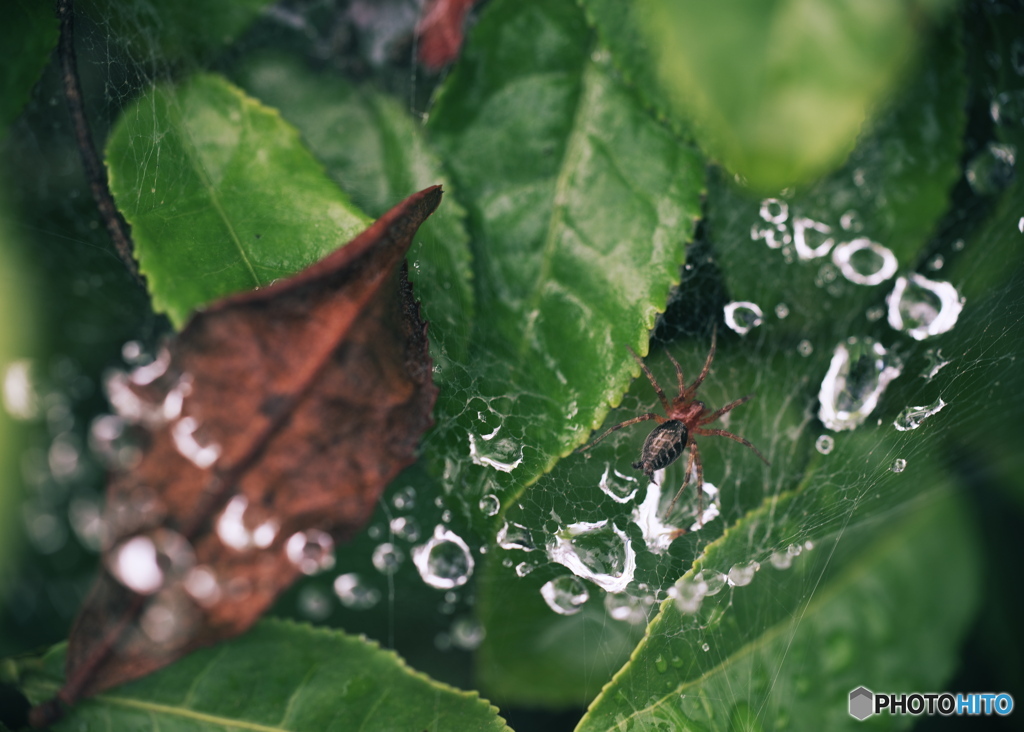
(912, 417)
(860, 371)
(565, 595)
(743, 317)
(923, 308)
(444, 561)
(599, 551)
(354, 593)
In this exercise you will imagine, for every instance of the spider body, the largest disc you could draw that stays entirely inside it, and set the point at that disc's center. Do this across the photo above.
(685, 418)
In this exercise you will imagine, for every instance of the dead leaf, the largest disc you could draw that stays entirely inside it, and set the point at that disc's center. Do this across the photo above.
(440, 31)
(273, 422)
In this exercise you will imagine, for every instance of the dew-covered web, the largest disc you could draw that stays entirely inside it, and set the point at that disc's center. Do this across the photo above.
(878, 353)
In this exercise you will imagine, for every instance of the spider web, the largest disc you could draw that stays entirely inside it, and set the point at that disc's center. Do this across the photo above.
(567, 567)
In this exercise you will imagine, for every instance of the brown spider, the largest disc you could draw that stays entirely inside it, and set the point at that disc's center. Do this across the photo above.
(685, 420)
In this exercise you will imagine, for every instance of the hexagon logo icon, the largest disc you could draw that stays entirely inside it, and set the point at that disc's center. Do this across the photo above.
(861, 703)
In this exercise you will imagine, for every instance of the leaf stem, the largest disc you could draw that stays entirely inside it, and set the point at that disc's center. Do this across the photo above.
(95, 173)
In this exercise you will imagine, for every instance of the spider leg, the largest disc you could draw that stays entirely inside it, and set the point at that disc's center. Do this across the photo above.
(654, 382)
(731, 436)
(679, 372)
(692, 389)
(694, 460)
(620, 425)
(727, 408)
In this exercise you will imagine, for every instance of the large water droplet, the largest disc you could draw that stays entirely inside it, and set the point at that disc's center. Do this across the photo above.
(865, 262)
(515, 536)
(923, 307)
(444, 561)
(626, 608)
(743, 573)
(565, 595)
(912, 417)
(689, 594)
(311, 551)
(860, 370)
(617, 486)
(489, 451)
(145, 562)
(743, 317)
(809, 238)
(600, 552)
(714, 581)
(354, 593)
(991, 169)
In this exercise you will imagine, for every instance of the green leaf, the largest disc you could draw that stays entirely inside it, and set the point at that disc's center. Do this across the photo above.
(279, 676)
(777, 91)
(28, 35)
(188, 31)
(892, 191)
(786, 650)
(377, 154)
(220, 193)
(579, 207)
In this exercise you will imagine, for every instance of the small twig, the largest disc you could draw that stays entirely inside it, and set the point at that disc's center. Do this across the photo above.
(95, 173)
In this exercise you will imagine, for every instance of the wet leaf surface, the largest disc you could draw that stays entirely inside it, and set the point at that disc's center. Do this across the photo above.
(281, 677)
(271, 424)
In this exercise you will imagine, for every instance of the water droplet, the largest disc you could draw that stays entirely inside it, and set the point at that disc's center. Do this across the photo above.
(782, 311)
(467, 634)
(600, 552)
(824, 444)
(935, 363)
(865, 262)
(183, 433)
(860, 370)
(809, 238)
(936, 263)
(625, 608)
(782, 559)
(354, 593)
(148, 373)
(743, 573)
(804, 348)
(387, 558)
(850, 221)
(742, 317)
(405, 499)
(112, 443)
(688, 594)
(405, 527)
(314, 603)
(991, 169)
(235, 529)
(705, 648)
(19, 390)
(1007, 108)
(501, 454)
(912, 417)
(201, 583)
(489, 505)
(444, 561)
(524, 568)
(565, 595)
(774, 211)
(898, 465)
(144, 562)
(661, 664)
(311, 551)
(714, 581)
(923, 307)
(515, 536)
(620, 488)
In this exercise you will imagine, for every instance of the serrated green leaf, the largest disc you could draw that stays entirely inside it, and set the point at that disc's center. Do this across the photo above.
(279, 676)
(786, 650)
(221, 194)
(892, 191)
(28, 35)
(579, 207)
(183, 31)
(777, 91)
(376, 153)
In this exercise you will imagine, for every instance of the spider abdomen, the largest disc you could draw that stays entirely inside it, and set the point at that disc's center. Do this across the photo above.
(665, 443)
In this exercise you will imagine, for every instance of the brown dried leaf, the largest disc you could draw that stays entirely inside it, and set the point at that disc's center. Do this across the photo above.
(440, 31)
(273, 422)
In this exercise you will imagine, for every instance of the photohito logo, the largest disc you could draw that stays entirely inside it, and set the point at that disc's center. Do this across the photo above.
(864, 703)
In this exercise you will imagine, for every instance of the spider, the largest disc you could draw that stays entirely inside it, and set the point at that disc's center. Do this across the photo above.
(685, 419)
